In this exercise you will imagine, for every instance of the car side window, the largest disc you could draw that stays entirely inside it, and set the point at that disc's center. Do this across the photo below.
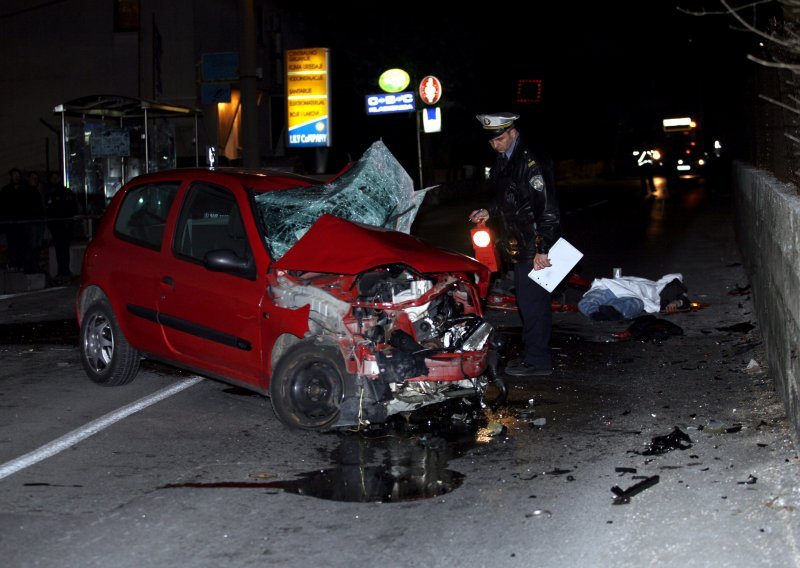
(210, 220)
(143, 213)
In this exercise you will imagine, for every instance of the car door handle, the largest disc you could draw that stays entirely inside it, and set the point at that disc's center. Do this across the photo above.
(167, 280)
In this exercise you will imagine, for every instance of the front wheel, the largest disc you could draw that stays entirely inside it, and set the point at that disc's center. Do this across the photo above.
(308, 386)
(106, 355)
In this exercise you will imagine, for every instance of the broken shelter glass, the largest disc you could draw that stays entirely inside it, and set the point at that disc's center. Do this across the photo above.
(376, 191)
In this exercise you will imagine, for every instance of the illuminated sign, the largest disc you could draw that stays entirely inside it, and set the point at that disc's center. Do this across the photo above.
(394, 80)
(431, 119)
(678, 124)
(385, 104)
(529, 91)
(307, 86)
(430, 90)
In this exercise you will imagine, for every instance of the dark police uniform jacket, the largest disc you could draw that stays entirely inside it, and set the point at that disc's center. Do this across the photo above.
(524, 200)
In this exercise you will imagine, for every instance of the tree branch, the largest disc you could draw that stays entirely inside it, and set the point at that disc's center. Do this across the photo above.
(779, 103)
(753, 29)
(795, 67)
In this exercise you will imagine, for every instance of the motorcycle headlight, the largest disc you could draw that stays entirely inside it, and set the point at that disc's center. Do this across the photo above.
(481, 238)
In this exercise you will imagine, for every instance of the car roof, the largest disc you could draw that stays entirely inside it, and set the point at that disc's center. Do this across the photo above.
(257, 179)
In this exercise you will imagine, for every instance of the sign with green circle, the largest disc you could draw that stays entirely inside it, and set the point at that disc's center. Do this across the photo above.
(393, 80)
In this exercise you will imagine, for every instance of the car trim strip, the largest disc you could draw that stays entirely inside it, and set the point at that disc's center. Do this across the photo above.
(190, 328)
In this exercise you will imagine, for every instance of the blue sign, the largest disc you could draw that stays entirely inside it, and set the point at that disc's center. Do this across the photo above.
(386, 103)
(310, 134)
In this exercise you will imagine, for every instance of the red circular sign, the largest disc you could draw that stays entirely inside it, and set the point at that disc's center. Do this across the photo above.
(430, 90)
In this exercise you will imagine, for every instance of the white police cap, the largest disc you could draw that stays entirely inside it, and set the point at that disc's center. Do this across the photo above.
(497, 123)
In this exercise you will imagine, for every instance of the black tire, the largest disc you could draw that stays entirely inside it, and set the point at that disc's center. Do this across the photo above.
(106, 355)
(308, 386)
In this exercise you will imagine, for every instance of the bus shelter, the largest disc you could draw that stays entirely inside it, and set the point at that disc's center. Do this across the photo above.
(107, 140)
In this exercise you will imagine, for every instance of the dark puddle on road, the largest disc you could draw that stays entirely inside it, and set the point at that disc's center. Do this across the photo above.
(401, 461)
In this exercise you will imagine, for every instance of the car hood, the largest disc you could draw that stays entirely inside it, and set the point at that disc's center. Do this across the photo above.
(337, 246)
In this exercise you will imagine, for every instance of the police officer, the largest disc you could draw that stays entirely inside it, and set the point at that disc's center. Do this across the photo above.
(524, 202)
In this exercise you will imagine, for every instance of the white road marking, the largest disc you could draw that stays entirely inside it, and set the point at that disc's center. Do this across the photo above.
(60, 444)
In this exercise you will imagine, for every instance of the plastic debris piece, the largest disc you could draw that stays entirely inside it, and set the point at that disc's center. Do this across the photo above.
(714, 427)
(539, 422)
(752, 367)
(558, 471)
(675, 440)
(623, 497)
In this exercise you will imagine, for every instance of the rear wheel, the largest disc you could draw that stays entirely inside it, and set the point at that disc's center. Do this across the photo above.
(106, 355)
(308, 386)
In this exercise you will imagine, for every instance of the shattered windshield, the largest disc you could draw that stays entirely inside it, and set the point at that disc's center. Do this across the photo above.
(375, 191)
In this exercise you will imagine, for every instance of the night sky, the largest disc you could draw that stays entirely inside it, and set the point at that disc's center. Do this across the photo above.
(610, 72)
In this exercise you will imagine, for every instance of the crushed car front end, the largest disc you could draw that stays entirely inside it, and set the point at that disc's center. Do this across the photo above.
(407, 339)
(393, 323)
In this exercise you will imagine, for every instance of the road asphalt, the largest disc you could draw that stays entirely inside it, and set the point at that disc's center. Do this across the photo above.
(685, 433)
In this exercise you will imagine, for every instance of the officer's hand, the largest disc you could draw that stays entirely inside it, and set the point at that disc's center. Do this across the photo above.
(479, 216)
(541, 261)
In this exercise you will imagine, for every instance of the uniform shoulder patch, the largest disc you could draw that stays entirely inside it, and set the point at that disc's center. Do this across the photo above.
(537, 182)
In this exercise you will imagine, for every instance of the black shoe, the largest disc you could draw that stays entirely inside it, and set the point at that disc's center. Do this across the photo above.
(518, 368)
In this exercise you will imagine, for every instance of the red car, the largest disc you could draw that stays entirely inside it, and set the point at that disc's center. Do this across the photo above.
(311, 293)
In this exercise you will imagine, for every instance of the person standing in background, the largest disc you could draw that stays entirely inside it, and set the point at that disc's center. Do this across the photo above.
(61, 206)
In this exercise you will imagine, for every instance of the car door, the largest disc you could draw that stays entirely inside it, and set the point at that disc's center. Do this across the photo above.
(133, 259)
(211, 319)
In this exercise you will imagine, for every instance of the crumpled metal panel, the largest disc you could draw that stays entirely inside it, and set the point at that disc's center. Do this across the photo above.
(337, 246)
(375, 191)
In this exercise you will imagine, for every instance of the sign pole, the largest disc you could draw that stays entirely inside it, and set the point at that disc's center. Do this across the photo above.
(419, 148)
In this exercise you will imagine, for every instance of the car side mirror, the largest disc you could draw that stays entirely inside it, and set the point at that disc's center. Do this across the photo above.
(225, 260)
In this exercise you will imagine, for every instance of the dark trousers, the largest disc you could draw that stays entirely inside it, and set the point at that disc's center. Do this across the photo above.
(535, 309)
(15, 237)
(23, 247)
(61, 233)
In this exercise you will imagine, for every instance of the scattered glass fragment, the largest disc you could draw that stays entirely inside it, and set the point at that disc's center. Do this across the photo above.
(539, 513)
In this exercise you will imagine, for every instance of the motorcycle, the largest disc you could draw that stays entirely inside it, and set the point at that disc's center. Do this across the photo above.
(501, 291)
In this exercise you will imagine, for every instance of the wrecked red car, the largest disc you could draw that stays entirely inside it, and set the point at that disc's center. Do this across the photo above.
(311, 293)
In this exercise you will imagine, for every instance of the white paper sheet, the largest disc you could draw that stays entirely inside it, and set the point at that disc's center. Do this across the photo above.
(563, 258)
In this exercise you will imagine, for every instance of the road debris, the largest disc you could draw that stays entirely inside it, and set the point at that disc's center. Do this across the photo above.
(623, 497)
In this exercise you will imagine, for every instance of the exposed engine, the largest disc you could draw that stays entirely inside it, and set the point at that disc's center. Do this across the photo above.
(408, 339)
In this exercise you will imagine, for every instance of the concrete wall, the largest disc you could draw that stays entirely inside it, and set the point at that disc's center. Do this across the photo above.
(767, 224)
